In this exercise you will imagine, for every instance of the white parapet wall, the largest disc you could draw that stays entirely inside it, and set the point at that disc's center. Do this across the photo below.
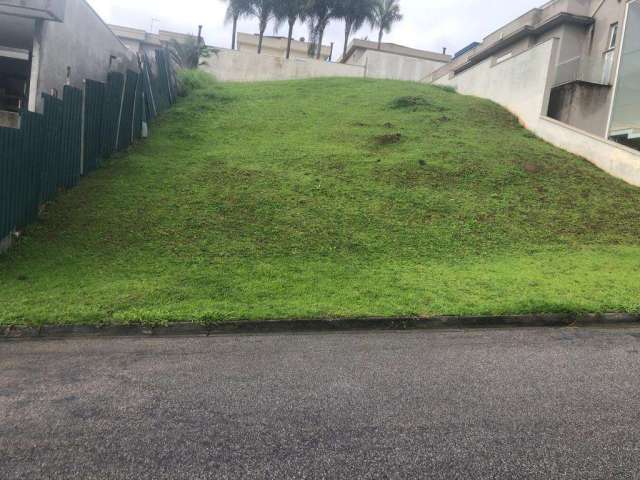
(242, 66)
(522, 85)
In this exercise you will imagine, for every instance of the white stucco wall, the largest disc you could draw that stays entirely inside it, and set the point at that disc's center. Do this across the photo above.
(240, 66)
(522, 84)
(613, 158)
(392, 66)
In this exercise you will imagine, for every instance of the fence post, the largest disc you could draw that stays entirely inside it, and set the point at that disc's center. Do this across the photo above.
(124, 88)
(165, 58)
(148, 76)
(82, 127)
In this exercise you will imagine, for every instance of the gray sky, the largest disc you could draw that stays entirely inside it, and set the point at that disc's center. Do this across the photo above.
(428, 24)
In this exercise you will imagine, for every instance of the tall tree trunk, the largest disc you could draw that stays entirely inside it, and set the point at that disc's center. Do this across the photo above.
(290, 38)
(347, 34)
(380, 39)
(263, 27)
(320, 37)
(235, 29)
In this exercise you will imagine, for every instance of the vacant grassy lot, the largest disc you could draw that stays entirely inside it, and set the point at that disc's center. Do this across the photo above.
(329, 198)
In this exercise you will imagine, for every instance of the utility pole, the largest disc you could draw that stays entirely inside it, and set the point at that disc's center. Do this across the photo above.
(199, 45)
(153, 22)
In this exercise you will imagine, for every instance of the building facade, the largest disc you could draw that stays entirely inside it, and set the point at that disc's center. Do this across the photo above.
(394, 62)
(585, 91)
(277, 46)
(47, 44)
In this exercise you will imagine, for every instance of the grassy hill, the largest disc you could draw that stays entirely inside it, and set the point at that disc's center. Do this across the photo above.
(329, 198)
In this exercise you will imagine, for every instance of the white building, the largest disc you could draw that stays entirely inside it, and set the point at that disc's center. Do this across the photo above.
(394, 62)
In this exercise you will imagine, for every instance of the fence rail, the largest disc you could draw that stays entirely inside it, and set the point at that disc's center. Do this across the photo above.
(75, 134)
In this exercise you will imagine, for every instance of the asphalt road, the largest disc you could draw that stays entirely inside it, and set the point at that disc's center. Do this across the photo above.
(532, 403)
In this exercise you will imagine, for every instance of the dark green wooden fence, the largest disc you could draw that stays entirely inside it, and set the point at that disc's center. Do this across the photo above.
(73, 135)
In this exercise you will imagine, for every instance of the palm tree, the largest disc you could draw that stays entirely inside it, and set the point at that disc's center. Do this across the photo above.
(186, 54)
(290, 11)
(320, 13)
(235, 11)
(354, 13)
(385, 14)
(264, 10)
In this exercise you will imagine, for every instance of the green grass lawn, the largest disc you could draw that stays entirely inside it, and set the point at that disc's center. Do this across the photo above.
(329, 198)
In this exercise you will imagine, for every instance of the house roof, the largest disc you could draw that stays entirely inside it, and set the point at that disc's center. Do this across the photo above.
(396, 49)
(484, 51)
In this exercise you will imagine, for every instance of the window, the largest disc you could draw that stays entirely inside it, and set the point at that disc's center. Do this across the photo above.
(504, 57)
(613, 36)
(607, 65)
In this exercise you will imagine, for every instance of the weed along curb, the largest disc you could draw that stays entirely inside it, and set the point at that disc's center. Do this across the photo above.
(324, 325)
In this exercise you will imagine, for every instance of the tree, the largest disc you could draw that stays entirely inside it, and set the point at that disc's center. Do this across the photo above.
(187, 53)
(290, 11)
(235, 11)
(320, 13)
(264, 10)
(354, 13)
(385, 14)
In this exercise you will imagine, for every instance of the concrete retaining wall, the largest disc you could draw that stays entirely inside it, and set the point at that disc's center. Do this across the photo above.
(522, 84)
(613, 158)
(239, 66)
(396, 67)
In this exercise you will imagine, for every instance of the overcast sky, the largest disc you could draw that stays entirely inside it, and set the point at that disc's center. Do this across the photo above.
(428, 24)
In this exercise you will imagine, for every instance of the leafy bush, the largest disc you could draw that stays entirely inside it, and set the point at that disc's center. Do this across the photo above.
(190, 81)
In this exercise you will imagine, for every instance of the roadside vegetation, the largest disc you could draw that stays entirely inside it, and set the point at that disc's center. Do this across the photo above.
(329, 198)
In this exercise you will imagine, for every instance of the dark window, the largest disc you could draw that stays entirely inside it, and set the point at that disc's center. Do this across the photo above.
(613, 36)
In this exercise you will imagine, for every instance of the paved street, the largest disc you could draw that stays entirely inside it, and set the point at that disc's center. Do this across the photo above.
(530, 403)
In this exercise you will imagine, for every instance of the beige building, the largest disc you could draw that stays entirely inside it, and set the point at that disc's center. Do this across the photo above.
(589, 88)
(277, 46)
(138, 40)
(392, 61)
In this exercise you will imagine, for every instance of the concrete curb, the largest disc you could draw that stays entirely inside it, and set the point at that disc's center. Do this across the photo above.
(322, 325)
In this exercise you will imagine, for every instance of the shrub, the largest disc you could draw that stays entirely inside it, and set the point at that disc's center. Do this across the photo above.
(190, 81)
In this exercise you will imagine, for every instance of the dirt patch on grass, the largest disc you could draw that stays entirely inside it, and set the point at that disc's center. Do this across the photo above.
(415, 103)
(388, 139)
(531, 168)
